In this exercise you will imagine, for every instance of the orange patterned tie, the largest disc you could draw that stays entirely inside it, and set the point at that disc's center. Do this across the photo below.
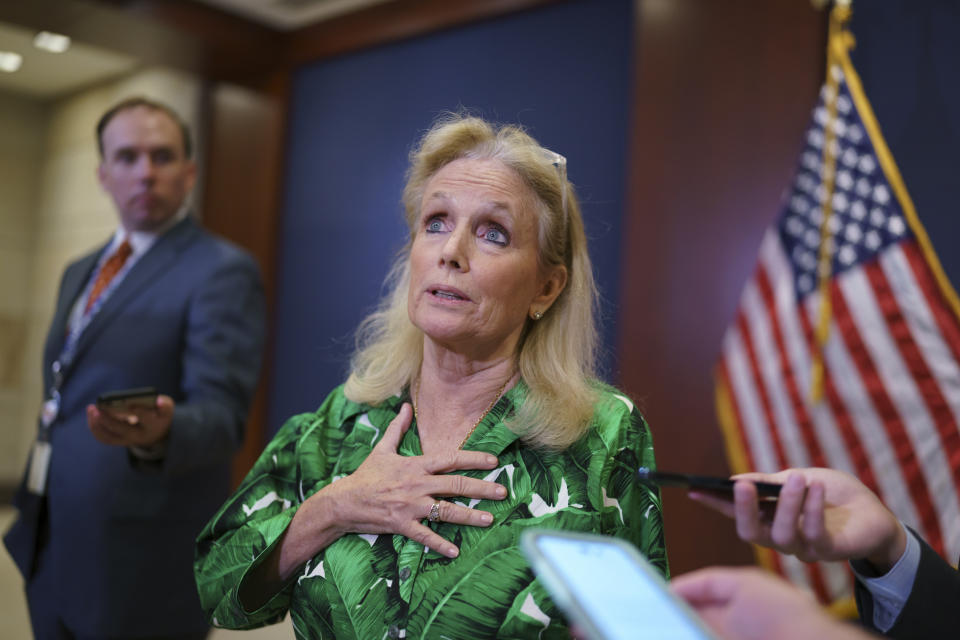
(108, 271)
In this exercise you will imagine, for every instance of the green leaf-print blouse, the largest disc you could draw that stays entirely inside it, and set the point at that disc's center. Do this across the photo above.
(388, 586)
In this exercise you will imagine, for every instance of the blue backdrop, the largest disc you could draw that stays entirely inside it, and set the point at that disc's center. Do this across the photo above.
(907, 54)
(562, 71)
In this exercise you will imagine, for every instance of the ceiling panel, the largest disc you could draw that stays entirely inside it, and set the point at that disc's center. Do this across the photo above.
(290, 14)
(46, 75)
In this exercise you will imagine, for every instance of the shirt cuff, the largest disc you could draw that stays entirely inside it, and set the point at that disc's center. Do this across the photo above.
(891, 590)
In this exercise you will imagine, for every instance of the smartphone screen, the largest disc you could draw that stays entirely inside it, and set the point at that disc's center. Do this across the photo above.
(607, 588)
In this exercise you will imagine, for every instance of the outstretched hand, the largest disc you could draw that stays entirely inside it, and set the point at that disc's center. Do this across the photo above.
(821, 514)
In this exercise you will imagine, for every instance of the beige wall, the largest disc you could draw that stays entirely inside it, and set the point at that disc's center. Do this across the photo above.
(53, 211)
(22, 128)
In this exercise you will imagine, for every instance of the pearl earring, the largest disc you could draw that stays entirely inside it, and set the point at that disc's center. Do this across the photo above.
(537, 315)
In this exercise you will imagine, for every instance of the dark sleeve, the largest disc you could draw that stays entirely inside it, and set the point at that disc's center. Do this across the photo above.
(220, 364)
(933, 607)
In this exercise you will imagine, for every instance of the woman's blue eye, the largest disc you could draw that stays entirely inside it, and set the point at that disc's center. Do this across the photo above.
(434, 225)
(495, 235)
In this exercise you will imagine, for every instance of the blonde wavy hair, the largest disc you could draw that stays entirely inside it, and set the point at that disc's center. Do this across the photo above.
(557, 354)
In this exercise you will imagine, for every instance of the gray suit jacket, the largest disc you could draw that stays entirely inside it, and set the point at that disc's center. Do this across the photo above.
(188, 319)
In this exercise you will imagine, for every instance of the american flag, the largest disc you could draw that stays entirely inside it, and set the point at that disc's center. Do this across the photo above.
(891, 358)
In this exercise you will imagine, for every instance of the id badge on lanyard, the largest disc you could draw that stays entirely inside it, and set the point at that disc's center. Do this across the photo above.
(39, 468)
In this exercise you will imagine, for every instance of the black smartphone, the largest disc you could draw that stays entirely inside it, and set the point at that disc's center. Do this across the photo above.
(710, 484)
(607, 588)
(128, 399)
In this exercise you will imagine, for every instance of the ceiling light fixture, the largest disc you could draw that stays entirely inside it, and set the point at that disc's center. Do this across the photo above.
(52, 42)
(10, 61)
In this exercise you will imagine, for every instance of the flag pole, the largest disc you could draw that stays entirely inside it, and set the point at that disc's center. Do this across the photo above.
(839, 41)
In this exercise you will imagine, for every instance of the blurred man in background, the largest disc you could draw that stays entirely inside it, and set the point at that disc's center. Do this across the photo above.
(113, 497)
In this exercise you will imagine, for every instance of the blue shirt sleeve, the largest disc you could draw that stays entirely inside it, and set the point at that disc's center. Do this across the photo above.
(891, 590)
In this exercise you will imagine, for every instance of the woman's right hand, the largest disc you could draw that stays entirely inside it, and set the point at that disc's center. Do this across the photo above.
(389, 494)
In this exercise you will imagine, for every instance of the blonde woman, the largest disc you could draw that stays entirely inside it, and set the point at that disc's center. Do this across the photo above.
(472, 412)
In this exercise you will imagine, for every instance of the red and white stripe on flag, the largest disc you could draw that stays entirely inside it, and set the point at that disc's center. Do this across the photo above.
(890, 406)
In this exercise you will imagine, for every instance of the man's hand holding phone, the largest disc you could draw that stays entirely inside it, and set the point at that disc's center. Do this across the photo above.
(131, 418)
(821, 514)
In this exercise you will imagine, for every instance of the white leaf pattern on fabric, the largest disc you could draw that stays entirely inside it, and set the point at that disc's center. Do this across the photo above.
(317, 572)
(531, 609)
(613, 502)
(265, 502)
(625, 401)
(539, 507)
(365, 421)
